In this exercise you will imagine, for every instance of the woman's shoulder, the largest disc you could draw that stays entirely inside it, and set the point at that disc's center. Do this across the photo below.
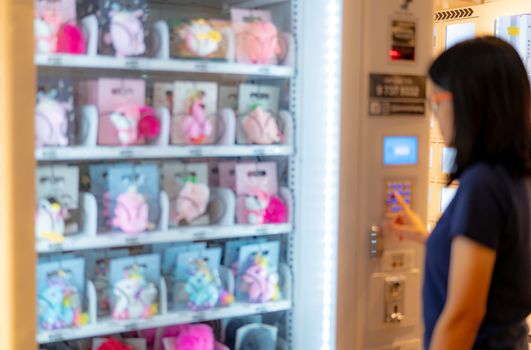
(492, 180)
(483, 173)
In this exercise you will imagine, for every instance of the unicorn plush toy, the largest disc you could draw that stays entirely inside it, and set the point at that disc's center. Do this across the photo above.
(59, 304)
(51, 120)
(135, 297)
(260, 282)
(126, 32)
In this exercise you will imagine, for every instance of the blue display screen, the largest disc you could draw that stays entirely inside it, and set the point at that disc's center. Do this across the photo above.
(400, 150)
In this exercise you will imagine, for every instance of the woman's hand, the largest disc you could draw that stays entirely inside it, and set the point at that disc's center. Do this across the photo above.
(407, 224)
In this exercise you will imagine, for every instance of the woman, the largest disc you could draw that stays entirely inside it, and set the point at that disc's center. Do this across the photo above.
(477, 287)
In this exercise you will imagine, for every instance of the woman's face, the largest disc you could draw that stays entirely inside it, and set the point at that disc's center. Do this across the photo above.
(443, 109)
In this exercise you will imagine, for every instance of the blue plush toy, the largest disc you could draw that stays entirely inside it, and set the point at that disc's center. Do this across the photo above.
(58, 304)
(201, 288)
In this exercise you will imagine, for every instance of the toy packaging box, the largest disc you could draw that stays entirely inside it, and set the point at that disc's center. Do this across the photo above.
(188, 189)
(134, 197)
(122, 25)
(118, 102)
(54, 113)
(199, 38)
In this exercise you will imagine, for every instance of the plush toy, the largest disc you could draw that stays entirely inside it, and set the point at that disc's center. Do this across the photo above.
(196, 337)
(135, 297)
(46, 26)
(45, 38)
(125, 121)
(260, 283)
(196, 127)
(70, 40)
(131, 214)
(201, 288)
(200, 38)
(50, 220)
(276, 212)
(59, 305)
(256, 203)
(113, 344)
(191, 337)
(149, 124)
(261, 127)
(191, 202)
(258, 43)
(51, 120)
(126, 33)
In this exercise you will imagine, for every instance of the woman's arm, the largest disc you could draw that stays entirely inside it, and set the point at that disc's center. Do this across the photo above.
(468, 288)
(407, 224)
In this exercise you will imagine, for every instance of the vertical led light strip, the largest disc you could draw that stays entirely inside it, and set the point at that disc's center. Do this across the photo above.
(332, 59)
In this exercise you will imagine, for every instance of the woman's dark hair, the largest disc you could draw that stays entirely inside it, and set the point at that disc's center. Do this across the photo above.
(492, 104)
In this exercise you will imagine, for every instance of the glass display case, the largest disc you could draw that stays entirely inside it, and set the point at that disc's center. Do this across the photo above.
(186, 175)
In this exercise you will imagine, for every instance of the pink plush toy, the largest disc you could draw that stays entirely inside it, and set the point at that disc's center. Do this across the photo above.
(196, 127)
(258, 43)
(46, 26)
(51, 122)
(70, 40)
(276, 212)
(149, 124)
(192, 337)
(127, 33)
(261, 284)
(191, 202)
(261, 127)
(131, 212)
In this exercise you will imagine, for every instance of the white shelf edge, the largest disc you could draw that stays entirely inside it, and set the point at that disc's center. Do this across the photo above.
(72, 153)
(161, 65)
(109, 326)
(186, 234)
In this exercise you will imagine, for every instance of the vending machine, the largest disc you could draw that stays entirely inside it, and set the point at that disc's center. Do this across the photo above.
(184, 174)
(390, 142)
(385, 143)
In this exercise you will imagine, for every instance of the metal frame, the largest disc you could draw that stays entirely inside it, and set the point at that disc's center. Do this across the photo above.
(17, 248)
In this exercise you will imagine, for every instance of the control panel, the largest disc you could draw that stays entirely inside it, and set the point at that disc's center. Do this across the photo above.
(402, 187)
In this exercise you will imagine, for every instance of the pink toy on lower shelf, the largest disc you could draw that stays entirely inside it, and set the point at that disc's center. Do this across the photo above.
(131, 212)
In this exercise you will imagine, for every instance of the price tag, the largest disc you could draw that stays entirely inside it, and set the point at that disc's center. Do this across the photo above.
(127, 153)
(132, 64)
(56, 337)
(196, 152)
(201, 66)
(259, 152)
(49, 154)
(55, 61)
(55, 247)
(199, 316)
(132, 240)
(132, 326)
(199, 235)
(264, 70)
(261, 231)
(261, 309)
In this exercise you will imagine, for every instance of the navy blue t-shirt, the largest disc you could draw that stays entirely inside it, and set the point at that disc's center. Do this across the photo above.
(491, 208)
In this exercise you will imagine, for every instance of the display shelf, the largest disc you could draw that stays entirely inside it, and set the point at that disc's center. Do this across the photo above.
(85, 62)
(185, 234)
(82, 153)
(255, 3)
(109, 326)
